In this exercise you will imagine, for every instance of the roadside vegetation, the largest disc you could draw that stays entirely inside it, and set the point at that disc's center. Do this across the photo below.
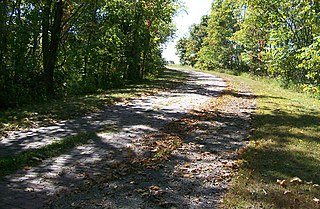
(280, 167)
(42, 114)
(277, 39)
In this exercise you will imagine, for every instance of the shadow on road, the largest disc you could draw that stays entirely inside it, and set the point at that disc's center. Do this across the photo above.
(104, 173)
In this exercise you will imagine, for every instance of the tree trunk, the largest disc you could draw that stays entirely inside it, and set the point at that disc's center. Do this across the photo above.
(134, 51)
(50, 43)
(3, 37)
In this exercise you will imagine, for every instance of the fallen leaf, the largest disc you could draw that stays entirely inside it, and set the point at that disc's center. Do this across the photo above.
(145, 194)
(206, 153)
(187, 165)
(189, 176)
(35, 159)
(140, 190)
(154, 188)
(265, 192)
(286, 192)
(296, 180)
(282, 183)
(29, 189)
(242, 150)
(26, 168)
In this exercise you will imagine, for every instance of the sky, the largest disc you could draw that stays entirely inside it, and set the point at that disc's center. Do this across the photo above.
(195, 9)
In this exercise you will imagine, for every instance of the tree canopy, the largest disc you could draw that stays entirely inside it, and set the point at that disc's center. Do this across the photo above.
(279, 39)
(59, 47)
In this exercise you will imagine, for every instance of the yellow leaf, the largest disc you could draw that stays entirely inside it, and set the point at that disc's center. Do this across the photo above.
(187, 165)
(189, 176)
(296, 180)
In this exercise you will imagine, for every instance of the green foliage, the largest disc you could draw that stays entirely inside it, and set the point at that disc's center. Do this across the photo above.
(53, 48)
(269, 38)
(309, 63)
(218, 43)
(188, 48)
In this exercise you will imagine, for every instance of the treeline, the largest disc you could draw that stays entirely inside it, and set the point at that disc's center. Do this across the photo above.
(279, 39)
(58, 47)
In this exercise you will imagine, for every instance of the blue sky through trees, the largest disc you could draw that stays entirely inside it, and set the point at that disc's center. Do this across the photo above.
(195, 9)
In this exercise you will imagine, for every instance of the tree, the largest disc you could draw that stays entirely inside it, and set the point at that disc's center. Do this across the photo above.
(277, 39)
(181, 48)
(51, 36)
(58, 47)
(188, 48)
(218, 49)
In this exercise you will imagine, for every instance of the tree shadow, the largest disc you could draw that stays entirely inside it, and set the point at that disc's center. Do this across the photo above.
(283, 149)
(166, 185)
(72, 107)
(103, 173)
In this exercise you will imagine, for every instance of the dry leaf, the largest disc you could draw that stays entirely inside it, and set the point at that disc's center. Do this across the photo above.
(296, 180)
(286, 192)
(145, 194)
(154, 188)
(189, 176)
(29, 189)
(140, 190)
(187, 165)
(198, 159)
(282, 183)
(265, 192)
(242, 150)
(26, 168)
(206, 153)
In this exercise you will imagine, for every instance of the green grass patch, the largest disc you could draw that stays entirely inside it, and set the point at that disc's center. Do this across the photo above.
(285, 144)
(72, 107)
(29, 158)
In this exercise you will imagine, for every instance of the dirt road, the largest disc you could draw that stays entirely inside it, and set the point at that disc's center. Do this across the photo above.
(201, 123)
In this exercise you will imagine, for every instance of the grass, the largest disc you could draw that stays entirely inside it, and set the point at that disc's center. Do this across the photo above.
(72, 107)
(285, 144)
(26, 159)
